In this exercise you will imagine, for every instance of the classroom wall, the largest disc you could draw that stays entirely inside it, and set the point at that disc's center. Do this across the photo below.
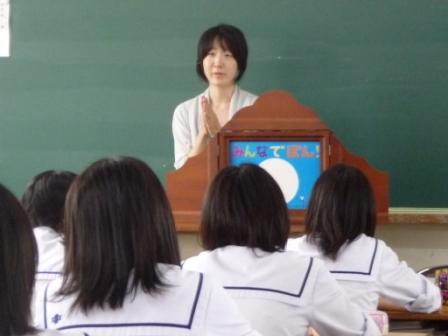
(419, 245)
(92, 78)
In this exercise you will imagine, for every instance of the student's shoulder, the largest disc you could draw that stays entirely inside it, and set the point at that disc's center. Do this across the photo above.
(181, 281)
(364, 250)
(379, 247)
(295, 244)
(306, 271)
(196, 262)
(293, 256)
(365, 245)
(302, 246)
(47, 291)
(192, 280)
(292, 263)
(386, 253)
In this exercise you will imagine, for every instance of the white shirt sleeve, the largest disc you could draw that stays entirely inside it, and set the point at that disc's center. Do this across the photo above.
(187, 118)
(223, 316)
(37, 304)
(193, 264)
(334, 314)
(400, 284)
(181, 136)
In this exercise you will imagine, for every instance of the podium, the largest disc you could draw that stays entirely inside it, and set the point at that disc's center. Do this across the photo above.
(275, 116)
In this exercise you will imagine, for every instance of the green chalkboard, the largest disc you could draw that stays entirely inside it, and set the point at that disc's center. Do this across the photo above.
(91, 78)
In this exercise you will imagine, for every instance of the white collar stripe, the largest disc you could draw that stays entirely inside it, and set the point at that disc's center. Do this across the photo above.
(45, 306)
(298, 295)
(188, 325)
(369, 272)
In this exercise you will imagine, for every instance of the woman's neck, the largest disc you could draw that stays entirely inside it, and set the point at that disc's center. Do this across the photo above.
(221, 95)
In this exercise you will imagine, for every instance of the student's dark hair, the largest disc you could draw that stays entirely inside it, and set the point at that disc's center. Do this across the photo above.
(341, 207)
(44, 198)
(244, 207)
(230, 38)
(118, 225)
(18, 260)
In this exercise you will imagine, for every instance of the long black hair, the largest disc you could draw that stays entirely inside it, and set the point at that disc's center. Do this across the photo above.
(18, 261)
(245, 207)
(119, 225)
(342, 206)
(44, 198)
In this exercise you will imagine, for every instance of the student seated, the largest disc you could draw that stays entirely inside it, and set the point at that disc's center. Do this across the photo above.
(43, 200)
(244, 229)
(17, 267)
(122, 274)
(340, 227)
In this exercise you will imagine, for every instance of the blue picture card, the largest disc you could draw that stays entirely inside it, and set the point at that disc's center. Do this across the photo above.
(295, 165)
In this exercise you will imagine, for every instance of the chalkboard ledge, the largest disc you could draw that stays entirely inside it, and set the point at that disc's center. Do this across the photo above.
(418, 216)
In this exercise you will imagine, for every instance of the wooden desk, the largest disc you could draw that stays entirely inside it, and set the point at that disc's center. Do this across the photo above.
(427, 323)
(404, 315)
(397, 313)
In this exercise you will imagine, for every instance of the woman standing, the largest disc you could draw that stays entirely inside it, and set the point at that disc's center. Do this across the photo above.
(221, 62)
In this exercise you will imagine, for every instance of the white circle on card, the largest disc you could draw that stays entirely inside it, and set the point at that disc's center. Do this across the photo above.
(284, 174)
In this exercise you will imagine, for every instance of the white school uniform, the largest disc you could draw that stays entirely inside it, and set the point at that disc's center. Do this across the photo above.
(187, 120)
(190, 304)
(50, 249)
(367, 268)
(52, 333)
(283, 293)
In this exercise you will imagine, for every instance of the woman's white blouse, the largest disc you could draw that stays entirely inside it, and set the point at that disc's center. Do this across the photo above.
(190, 304)
(283, 293)
(187, 119)
(367, 268)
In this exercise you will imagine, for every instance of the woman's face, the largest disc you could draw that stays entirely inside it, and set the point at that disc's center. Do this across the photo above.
(220, 67)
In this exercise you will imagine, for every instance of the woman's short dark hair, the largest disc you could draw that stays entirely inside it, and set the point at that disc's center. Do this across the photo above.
(119, 225)
(245, 207)
(44, 198)
(230, 38)
(18, 260)
(341, 207)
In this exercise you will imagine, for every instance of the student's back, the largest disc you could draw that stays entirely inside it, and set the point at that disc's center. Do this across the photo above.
(17, 268)
(369, 269)
(282, 293)
(189, 305)
(43, 200)
(340, 224)
(122, 274)
(244, 229)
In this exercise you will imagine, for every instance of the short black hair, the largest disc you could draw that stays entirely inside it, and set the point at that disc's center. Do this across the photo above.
(230, 38)
(18, 261)
(119, 226)
(341, 207)
(44, 198)
(245, 207)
